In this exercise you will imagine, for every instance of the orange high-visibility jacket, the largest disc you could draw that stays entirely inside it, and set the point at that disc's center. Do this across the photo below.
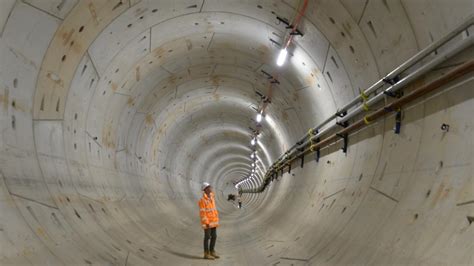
(208, 211)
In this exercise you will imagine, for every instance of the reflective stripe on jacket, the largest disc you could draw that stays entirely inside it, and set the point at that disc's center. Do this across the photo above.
(208, 211)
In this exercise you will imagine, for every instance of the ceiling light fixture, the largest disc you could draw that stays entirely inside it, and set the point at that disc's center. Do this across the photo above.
(282, 57)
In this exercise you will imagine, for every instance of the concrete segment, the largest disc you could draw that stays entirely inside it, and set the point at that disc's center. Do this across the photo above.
(113, 112)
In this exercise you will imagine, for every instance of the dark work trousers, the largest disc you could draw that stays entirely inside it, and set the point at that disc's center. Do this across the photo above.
(210, 235)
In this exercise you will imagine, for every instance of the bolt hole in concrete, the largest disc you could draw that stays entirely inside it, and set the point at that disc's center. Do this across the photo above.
(352, 49)
(470, 219)
(77, 214)
(83, 69)
(13, 122)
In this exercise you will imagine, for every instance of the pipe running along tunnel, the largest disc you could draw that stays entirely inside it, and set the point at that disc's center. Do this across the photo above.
(113, 112)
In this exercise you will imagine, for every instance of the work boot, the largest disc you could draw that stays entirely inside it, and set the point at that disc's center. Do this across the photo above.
(213, 253)
(207, 256)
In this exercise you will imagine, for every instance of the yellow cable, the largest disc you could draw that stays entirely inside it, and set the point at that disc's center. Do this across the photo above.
(365, 106)
(366, 120)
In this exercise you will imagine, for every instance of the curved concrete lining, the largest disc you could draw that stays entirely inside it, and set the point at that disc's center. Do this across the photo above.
(113, 112)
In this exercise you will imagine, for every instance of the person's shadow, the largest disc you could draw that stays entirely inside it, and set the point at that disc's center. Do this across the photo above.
(183, 255)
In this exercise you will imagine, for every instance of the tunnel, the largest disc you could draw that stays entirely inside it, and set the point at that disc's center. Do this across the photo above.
(345, 125)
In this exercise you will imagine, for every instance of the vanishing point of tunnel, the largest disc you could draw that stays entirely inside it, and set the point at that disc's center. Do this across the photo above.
(344, 127)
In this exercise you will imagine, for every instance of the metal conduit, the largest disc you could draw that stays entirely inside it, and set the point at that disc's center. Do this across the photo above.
(402, 83)
(394, 73)
(407, 64)
(456, 73)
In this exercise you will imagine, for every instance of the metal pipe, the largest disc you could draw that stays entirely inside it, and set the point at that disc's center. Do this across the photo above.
(417, 73)
(303, 142)
(456, 73)
(404, 66)
(412, 76)
(413, 60)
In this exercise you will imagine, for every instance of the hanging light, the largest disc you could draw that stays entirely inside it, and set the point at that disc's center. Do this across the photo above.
(282, 57)
(253, 164)
(252, 155)
(259, 118)
(253, 142)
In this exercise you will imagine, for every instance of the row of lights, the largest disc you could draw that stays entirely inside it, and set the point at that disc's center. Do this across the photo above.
(253, 142)
(261, 113)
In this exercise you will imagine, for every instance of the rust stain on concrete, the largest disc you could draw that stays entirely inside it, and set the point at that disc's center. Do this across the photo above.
(108, 138)
(172, 80)
(310, 80)
(189, 45)
(440, 194)
(18, 106)
(158, 52)
(93, 13)
(284, 115)
(262, 50)
(149, 119)
(130, 102)
(295, 96)
(137, 73)
(215, 81)
(40, 231)
(66, 36)
(4, 99)
(113, 86)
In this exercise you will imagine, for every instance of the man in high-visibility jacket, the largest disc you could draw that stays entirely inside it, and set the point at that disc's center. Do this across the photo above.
(209, 221)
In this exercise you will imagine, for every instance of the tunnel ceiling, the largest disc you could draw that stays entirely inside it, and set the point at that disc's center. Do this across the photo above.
(162, 70)
(118, 105)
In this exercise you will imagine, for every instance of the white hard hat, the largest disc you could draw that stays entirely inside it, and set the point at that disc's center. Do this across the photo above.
(204, 185)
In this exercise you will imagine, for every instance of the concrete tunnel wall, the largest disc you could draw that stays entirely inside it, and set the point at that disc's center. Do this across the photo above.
(113, 113)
